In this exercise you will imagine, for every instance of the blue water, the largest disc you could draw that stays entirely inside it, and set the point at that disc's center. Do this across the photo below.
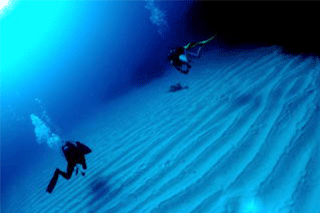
(61, 60)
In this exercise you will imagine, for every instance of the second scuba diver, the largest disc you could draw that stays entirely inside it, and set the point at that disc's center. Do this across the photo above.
(180, 56)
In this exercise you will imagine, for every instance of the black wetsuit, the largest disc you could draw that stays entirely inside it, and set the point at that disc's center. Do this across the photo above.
(74, 154)
(174, 57)
(178, 62)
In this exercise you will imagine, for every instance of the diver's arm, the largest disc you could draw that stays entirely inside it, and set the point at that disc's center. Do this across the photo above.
(79, 169)
(195, 55)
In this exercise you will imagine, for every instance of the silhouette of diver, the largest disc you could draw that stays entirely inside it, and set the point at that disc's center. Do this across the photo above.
(179, 56)
(74, 154)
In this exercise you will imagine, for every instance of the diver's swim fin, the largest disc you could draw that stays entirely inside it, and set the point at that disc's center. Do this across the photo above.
(208, 40)
(53, 182)
(194, 44)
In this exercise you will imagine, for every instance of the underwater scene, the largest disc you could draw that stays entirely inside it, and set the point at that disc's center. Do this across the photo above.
(160, 107)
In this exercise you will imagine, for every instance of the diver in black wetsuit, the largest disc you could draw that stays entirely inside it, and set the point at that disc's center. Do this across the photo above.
(74, 154)
(179, 56)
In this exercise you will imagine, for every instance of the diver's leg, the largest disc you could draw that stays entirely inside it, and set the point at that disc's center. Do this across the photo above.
(202, 43)
(191, 45)
(195, 55)
(67, 175)
(198, 53)
(194, 44)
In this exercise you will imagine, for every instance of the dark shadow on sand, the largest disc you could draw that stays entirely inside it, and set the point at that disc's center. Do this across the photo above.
(177, 87)
(243, 100)
(99, 192)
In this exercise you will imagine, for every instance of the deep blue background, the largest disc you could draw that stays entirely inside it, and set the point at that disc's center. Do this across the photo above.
(74, 56)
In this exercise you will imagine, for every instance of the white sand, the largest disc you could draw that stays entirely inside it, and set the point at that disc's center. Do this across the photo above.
(244, 138)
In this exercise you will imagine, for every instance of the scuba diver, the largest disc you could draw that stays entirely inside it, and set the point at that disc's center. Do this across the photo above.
(179, 56)
(74, 154)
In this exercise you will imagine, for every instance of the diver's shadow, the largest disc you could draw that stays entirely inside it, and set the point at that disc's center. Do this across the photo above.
(99, 191)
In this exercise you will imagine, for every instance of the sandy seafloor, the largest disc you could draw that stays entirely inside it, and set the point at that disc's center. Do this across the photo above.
(243, 138)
